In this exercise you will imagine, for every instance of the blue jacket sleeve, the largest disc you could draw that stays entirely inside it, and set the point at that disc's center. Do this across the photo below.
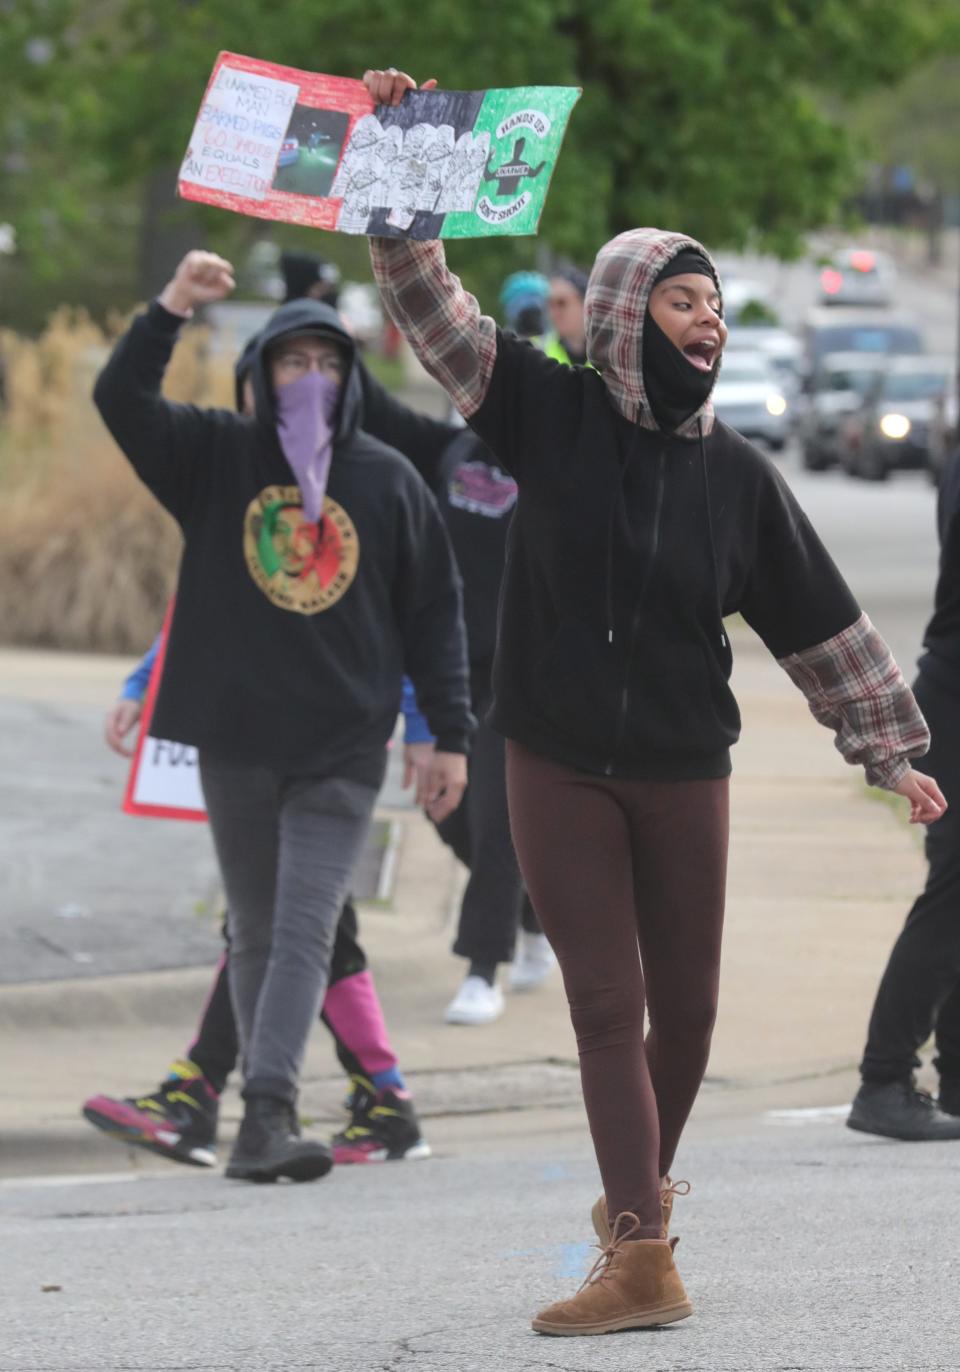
(135, 686)
(415, 726)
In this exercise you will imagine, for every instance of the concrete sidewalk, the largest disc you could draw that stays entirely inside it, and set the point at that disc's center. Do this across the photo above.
(821, 878)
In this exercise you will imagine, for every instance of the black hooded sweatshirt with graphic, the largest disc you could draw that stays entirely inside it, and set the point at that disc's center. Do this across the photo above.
(289, 640)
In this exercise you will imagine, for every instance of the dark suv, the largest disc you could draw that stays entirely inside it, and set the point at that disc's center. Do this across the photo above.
(839, 330)
(893, 428)
(837, 388)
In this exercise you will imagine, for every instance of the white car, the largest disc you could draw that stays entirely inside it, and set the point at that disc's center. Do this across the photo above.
(782, 348)
(749, 397)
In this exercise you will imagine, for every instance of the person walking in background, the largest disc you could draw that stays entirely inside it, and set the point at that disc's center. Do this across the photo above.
(315, 568)
(523, 300)
(919, 993)
(567, 339)
(641, 522)
(497, 922)
(309, 277)
(179, 1120)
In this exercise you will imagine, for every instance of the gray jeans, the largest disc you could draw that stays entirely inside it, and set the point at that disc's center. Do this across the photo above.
(286, 848)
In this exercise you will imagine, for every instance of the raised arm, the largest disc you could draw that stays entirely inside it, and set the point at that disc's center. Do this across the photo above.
(164, 442)
(442, 322)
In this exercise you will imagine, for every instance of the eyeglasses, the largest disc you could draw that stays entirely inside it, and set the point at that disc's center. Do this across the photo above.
(298, 364)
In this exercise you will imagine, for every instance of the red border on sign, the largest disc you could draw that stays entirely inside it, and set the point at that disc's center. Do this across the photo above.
(316, 90)
(135, 807)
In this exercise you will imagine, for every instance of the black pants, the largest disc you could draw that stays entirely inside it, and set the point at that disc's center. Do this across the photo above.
(494, 902)
(920, 989)
(217, 1047)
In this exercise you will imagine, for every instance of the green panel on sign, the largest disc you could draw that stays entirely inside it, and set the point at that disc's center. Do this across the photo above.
(526, 127)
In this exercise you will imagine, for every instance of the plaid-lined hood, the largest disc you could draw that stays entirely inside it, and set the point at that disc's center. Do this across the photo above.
(615, 308)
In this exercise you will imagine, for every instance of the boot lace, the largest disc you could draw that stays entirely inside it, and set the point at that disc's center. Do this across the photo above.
(601, 1268)
(675, 1188)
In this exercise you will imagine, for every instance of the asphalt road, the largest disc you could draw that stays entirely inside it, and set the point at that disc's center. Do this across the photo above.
(803, 1248)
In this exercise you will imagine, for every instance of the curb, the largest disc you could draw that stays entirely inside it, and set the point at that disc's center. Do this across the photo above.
(127, 1000)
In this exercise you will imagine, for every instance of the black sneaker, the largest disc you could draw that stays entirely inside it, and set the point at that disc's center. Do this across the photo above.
(897, 1110)
(179, 1121)
(383, 1127)
(269, 1145)
(948, 1101)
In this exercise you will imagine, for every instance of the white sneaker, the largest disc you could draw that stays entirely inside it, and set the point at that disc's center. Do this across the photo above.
(533, 962)
(477, 1002)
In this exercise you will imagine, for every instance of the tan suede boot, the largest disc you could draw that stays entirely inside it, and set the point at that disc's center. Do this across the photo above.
(668, 1189)
(633, 1285)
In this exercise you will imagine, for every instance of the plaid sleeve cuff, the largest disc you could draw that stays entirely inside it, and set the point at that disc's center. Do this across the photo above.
(854, 687)
(441, 321)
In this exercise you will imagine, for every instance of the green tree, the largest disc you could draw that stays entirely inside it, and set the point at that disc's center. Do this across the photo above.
(710, 115)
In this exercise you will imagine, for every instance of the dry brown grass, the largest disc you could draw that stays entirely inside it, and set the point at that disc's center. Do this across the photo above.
(87, 556)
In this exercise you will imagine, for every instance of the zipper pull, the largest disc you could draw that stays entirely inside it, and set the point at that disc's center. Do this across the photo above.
(609, 635)
(723, 640)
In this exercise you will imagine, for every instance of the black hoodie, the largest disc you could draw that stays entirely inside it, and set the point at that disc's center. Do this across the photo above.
(629, 546)
(289, 641)
(476, 498)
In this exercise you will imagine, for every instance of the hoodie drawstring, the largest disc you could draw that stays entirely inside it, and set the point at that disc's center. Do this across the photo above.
(710, 534)
(613, 515)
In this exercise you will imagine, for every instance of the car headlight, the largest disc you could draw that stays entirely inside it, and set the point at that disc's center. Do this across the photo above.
(894, 426)
(776, 405)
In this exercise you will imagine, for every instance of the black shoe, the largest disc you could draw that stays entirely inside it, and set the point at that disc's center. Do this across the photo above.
(269, 1145)
(897, 1110)
(383, 1127)
(179, 1121)
(948, 1101)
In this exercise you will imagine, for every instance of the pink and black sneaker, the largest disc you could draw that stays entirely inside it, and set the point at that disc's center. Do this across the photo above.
(383, 1127)
(179, 1121)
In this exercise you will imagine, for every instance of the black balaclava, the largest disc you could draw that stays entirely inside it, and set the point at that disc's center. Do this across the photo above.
(674, 388)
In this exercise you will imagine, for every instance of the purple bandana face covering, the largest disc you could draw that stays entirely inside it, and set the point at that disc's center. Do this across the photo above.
(305, 410)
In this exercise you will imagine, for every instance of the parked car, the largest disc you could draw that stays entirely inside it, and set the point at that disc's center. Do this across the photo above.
(749, 397)
(289, 152)
(892, 429)
(857, 331)
(858, 276)
(837, 388)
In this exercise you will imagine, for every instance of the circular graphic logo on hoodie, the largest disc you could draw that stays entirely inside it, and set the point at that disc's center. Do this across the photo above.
(298, 565)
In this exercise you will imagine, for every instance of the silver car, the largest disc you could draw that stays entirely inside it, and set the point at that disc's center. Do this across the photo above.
(749, 397)
(858, 276)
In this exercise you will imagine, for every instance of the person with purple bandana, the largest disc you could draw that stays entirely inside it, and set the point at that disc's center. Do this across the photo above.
(315, 569)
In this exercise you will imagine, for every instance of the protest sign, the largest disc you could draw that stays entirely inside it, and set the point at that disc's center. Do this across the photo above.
(164, 781)
(279, 143)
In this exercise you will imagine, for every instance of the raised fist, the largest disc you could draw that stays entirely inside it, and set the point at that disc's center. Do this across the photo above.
(201, 278)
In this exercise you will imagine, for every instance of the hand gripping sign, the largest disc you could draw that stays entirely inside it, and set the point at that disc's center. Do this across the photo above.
(164, 781)
(279, 143)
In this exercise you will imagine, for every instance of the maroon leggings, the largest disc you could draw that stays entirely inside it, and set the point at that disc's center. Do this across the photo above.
(627, 878)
